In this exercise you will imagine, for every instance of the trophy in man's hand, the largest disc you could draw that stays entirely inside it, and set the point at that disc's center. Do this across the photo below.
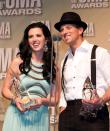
(23, 94)
(88, 110)
(89, 91)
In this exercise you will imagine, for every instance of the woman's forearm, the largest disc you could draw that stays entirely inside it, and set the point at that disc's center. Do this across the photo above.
(8, 94)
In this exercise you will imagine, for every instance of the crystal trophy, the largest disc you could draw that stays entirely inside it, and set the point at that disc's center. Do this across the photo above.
(89, 91)
(23, 94)
(88, 110)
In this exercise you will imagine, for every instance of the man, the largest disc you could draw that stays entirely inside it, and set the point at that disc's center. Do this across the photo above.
(76, 68)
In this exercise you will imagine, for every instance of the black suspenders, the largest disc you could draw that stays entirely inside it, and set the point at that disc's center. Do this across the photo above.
(62, 78)
(93, 66)
(93, 69)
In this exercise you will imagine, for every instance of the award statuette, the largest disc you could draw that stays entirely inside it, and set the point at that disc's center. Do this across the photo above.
(89, 111)
(24, 95)
(89, 91)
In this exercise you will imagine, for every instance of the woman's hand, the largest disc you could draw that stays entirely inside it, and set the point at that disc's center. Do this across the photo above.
(37, 103)
(19, 104)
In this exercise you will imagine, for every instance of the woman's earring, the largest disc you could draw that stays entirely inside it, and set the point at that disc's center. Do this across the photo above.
(45, 48)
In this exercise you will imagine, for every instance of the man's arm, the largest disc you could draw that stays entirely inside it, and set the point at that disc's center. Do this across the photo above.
(62, 103)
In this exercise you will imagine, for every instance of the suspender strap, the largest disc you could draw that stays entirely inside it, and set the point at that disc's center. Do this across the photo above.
(93, 65)
(62, 78)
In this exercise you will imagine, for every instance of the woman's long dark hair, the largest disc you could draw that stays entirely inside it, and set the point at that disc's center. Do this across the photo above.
(25, 53)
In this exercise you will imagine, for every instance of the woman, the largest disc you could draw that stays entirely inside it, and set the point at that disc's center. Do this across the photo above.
(33, 75)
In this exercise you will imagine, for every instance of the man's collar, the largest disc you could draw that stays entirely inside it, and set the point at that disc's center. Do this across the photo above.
(85, 46)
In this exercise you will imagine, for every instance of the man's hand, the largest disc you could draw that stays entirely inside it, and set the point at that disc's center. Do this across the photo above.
(95, 103)
(61, 109)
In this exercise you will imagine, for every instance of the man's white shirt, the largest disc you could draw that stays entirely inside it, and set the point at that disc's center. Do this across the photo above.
(78, 67)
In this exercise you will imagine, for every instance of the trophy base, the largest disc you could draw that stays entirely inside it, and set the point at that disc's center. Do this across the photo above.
(27, 102)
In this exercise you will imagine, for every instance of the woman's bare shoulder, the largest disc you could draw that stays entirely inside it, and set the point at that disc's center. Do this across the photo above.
(14, 66)
(16, 61)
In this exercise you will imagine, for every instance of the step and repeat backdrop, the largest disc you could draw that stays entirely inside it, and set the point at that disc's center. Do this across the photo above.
(15, 15)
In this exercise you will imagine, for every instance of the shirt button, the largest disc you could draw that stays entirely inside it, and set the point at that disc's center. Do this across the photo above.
(74, 77)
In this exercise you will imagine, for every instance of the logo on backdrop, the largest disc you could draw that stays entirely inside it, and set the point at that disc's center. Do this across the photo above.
(82, 4)
(6, 56)
(90, 31)
(46, 22)
(5, 30)
(20, 7)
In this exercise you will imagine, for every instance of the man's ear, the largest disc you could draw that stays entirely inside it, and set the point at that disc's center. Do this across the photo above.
(81, 30)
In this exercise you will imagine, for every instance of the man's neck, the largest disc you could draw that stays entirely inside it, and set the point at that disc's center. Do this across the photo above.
(76, 45)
